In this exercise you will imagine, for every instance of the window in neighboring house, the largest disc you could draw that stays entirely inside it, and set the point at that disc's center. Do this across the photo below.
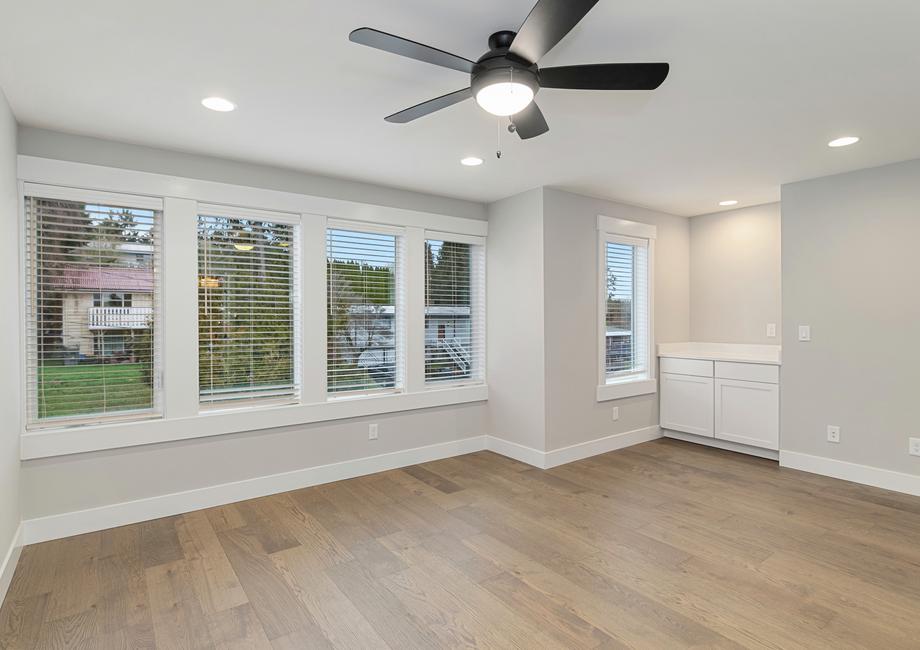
(82, 369)
(364, 311)
(247, 312)
(111, 300)
(454, 311)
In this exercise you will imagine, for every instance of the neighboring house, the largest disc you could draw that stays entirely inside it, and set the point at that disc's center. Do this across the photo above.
(370, 334)
(619, 349)
(103, 307)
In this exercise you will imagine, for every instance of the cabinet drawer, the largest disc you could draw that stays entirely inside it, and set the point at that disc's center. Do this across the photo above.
(747, 371)
(694, 367)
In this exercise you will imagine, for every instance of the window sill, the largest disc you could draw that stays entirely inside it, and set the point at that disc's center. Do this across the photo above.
(626, 388)
(47, 443)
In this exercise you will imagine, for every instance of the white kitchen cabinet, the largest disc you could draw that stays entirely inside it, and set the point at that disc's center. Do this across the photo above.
(687, 404)
(747, 412)
(721, 392)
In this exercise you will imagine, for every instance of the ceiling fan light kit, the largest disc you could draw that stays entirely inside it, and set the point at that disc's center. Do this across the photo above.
(505, 79)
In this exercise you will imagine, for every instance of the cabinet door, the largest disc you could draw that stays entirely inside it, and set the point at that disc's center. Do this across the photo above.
(686, 404)
(747, 412)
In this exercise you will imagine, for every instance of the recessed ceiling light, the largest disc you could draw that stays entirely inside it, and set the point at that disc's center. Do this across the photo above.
(218, 104)
(845, 141)
(725, 204)
(471, 161)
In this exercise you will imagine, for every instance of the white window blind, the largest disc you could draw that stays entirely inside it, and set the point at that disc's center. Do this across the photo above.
(365, 305)
(454, 312)
(247, 312)
(626, 319)
(92, 310)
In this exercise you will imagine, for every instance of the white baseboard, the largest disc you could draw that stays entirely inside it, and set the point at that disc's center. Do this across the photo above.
(769, 454)
(563, 455)
(43, 529)
(120, 514)
(865, 474)
(8, 565)
(603, 445)
(516, 451)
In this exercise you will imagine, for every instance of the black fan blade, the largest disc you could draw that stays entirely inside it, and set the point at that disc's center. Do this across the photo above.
(605, 76)
(432, 105)
(548, 23)
(530, 122)
(405, 47)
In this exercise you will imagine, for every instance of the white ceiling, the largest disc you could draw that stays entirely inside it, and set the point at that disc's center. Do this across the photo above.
(757, 88)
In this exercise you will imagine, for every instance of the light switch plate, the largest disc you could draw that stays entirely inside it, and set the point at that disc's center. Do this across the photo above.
(372, 432)
(804, 332)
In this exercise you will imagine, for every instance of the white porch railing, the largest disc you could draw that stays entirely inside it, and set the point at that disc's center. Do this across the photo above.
(120, 318)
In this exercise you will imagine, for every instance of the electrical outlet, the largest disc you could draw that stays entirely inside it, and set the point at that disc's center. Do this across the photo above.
(372, 432)
(616, 413)
(771, 330)
(914, 447)
(833, 433)
(804, 332)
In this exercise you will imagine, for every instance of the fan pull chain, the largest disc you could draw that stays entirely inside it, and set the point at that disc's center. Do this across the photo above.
(498, 152)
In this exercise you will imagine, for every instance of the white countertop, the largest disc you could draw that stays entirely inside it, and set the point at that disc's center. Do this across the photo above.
(741, 352)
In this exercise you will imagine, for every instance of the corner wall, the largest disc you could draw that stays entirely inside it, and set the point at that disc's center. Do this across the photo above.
(850, 270)
(9, 350)
(736, 275)
(515, 313)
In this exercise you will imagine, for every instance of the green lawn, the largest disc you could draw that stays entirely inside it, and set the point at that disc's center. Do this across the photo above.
(98, 388)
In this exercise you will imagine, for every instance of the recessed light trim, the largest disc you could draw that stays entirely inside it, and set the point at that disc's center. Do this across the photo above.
(728, 203)
(471, 161)
(845, 141)
(218, 104)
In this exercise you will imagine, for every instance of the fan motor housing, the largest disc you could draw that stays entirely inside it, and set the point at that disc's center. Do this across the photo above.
(497, 66)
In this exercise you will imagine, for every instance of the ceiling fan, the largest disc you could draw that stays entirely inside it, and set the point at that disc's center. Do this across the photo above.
(505, 79)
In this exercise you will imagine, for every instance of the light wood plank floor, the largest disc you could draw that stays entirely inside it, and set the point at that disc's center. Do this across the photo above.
(663, 545)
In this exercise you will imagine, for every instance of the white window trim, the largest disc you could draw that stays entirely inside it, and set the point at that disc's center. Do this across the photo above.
(629, 232)
(181, 200)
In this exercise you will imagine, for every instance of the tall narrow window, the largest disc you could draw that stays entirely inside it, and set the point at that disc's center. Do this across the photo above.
(93, 308)
(364, 320)
(625, 311)
(247, 312)
(626, 308)
(454, 313)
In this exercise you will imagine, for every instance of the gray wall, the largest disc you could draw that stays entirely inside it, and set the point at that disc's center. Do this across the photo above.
(9, 333)
(67, 483)
(78, 148)
(515, 320)
(573, 414)
(735, 275)
(851, 271)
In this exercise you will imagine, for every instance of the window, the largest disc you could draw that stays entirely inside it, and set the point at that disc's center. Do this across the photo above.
(364, 317)
(92, 355)
(625, 308)
(111, 300)
(454, 313)
(247, 312)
